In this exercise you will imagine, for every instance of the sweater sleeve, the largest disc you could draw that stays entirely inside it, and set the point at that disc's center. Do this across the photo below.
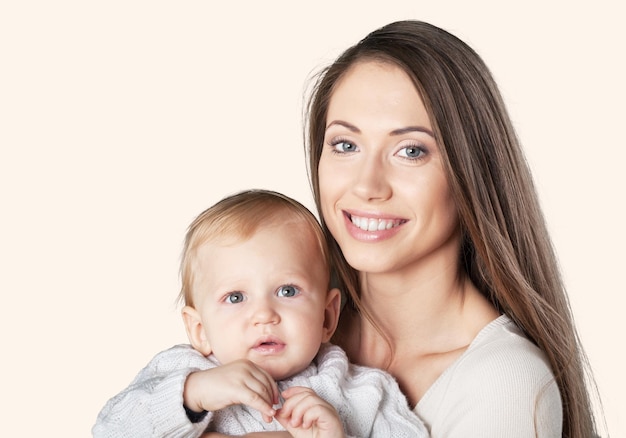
(152, 405)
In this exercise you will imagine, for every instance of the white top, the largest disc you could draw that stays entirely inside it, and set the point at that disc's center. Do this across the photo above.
(368, 400)
(501, 386)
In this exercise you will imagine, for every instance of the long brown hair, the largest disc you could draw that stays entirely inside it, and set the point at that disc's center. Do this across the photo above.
(506, 249)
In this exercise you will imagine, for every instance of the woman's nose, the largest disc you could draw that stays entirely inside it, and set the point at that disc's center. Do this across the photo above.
(371, 179)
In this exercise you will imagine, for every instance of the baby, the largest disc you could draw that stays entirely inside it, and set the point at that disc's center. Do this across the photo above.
(259, 315)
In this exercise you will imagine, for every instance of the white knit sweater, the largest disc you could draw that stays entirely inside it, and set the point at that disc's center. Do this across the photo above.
(368, 401)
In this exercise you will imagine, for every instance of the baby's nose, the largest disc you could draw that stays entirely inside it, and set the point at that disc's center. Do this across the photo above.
(265, 313)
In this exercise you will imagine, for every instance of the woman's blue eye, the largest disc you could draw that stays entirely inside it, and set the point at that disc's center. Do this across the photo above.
(234, 297)
(287, 291)
(411, 152)
(344, 146)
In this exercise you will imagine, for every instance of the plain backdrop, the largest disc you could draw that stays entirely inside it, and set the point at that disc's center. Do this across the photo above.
(121, 120)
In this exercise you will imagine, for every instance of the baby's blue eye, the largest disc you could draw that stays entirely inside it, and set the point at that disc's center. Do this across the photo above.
(234, 297)
(287, 291)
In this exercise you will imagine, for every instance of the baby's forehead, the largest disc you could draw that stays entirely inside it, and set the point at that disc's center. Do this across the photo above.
(295, 232)
(290, 226)
(306, 259)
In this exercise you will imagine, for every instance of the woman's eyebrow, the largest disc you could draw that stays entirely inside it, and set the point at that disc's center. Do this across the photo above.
(399, 131)
(408, 129)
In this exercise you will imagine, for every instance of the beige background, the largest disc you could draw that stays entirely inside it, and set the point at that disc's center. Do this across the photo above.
(121, 120)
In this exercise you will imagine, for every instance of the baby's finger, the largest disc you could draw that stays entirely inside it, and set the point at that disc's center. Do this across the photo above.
(319, 414)
(268, 383)
(255, 387)
(293, 390)
(298, 400)
(256, 396)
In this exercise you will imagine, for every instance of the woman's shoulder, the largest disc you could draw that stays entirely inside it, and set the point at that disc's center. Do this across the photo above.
(501, 344)
(503, 373)
(501, 356)
(499, 362)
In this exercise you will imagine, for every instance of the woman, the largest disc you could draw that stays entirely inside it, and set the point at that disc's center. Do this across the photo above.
(438, 237)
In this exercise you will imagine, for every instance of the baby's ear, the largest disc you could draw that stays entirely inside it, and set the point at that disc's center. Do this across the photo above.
(331, 313)
(195, 330)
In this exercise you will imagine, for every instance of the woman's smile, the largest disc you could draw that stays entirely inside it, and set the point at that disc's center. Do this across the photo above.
(374, 224)
(372, 228)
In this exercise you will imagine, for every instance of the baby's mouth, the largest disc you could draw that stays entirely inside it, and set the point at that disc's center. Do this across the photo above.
(268, 342)
(268, 347)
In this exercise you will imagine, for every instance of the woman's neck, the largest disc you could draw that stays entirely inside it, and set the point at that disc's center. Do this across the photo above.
(425, 312)
(419, 326)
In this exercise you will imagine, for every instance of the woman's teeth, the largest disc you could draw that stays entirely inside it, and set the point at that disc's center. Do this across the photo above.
(368, 224)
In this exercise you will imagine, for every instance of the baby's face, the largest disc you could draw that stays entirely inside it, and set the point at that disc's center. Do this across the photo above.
(264, 299)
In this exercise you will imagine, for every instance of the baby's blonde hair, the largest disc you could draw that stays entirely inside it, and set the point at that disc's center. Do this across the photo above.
(240, 216)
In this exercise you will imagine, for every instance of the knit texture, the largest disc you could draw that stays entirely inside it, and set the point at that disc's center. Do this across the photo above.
(368, 400)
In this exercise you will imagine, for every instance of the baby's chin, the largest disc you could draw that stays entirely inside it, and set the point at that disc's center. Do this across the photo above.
(279, 369)
(281, 373)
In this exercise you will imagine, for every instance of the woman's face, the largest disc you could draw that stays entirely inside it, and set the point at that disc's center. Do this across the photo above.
(384, 194)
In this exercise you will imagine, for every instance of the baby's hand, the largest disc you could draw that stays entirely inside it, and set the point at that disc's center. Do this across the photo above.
(239, 382)
(305, 414)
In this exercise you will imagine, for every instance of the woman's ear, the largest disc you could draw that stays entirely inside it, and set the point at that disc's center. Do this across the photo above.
(195, 330)
(331, 314)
